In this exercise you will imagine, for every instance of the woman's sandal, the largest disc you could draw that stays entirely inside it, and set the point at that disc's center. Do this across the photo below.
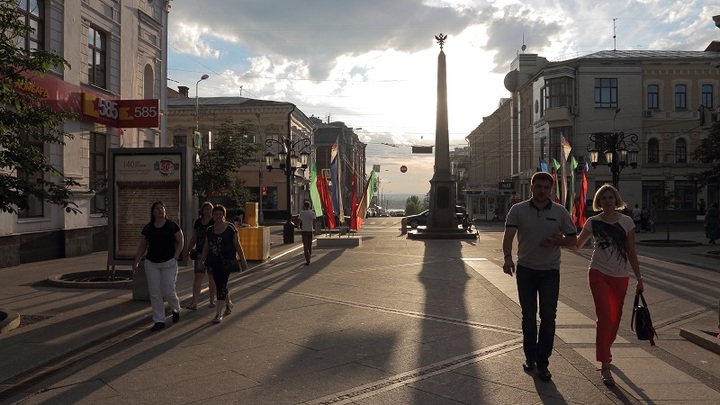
(607, 377)
(228, 309)
(192, 307)
(218, 319)
(211, 305)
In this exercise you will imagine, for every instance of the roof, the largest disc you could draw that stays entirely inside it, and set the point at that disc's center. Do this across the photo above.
(230, 101)
(649, 55)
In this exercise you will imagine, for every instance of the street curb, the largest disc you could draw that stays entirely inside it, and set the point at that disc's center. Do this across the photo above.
(11, 321)
(702, 338)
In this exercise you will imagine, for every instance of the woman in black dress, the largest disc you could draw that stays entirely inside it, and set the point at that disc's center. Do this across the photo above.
(221, 254)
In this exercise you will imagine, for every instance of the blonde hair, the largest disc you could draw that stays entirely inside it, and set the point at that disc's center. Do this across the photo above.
(619, 203)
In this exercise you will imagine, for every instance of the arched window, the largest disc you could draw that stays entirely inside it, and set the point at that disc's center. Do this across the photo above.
(149, 83)
(680, 151)
(653, 151)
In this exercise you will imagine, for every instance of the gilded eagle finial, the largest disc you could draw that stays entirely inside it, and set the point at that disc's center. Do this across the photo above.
(441, 40)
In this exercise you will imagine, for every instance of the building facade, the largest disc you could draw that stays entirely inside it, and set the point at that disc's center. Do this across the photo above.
(267, 120)
(662, 101)
(106, 75)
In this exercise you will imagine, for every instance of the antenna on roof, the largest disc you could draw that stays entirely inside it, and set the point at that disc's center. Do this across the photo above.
(614, 35)
(241, 90)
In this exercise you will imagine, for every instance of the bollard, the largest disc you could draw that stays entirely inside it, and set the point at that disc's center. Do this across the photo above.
(403, 226)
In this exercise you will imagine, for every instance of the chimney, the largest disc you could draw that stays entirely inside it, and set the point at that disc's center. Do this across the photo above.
(184, 91)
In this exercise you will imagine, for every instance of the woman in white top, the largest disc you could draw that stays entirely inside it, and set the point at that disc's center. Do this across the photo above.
(609, 271)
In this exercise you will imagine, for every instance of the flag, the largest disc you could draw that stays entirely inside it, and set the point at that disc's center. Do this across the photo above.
(335, 176)
(326, 202)
(365, 199)
(565, 146)
(556, 166)
(315, 191)
(353, 202)
(573, 166)
(583, 195)
(543, 166)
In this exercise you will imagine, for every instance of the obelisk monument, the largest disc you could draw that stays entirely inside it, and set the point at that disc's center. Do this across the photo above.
(442, 185)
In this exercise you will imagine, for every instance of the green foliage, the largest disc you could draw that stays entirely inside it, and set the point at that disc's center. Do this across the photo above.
(708, 151)
(413, 206)
(233, 147)
(23, 116)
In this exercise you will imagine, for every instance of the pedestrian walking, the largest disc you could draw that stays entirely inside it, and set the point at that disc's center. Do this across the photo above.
(712, 223)
(162, 243)
(307, 227)
(609, 270)
(542, 227)
(194, 250)
(637, 218)
(221, 253)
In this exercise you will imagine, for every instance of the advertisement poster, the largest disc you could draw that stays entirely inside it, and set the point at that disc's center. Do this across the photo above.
(139, 181)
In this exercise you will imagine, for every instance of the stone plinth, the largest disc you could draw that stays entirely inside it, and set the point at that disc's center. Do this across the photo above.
(338, 241)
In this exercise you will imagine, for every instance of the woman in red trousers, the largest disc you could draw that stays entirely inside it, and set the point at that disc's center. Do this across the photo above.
(612, 259)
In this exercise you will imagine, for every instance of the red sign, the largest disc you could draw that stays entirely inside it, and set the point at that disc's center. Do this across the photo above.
(121, 113)
(403, 168)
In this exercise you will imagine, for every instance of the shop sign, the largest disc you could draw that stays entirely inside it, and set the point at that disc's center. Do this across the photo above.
(121, 113)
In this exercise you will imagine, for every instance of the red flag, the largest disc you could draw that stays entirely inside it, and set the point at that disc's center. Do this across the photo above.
(581, 206)
(353, 202)
(322, 185)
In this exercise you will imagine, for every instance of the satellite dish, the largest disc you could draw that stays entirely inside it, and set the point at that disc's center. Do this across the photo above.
(523, 48)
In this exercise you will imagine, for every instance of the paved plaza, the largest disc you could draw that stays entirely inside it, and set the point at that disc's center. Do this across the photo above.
(394, 321)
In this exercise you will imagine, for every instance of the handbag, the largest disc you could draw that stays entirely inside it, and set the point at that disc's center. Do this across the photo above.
(641, 322)
(231, 265)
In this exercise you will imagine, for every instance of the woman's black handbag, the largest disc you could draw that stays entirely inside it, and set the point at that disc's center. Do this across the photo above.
(231, 265)
(640, 321)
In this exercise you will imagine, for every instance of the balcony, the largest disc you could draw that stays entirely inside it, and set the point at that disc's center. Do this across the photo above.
(558, 116)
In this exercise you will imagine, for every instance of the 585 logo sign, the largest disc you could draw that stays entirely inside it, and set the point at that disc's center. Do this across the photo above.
(121, 113)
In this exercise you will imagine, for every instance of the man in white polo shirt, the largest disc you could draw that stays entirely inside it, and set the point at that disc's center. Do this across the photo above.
(542, 227)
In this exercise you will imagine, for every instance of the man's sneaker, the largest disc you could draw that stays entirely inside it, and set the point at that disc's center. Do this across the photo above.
(528, 365)
(157, 326)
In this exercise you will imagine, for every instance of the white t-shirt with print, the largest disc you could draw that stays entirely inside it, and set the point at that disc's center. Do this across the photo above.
(610, 245)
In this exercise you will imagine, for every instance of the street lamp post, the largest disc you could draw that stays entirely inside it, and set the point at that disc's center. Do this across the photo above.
(289, 162)
(619, 150)
(197, 102)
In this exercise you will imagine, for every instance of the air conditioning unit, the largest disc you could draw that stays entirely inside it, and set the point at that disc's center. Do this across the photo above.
(648, 113)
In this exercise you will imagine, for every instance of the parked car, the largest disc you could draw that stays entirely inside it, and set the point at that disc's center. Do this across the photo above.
(414, 221)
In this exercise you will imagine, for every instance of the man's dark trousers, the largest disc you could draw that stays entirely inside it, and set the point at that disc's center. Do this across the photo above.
(532, 284)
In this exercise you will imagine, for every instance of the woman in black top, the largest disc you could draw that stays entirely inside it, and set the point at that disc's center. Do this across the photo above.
(162, 244)
(222, 248)
(197, 242)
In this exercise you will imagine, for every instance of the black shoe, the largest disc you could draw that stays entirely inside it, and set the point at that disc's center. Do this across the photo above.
(176, 316)
(528, 365)
(157, 326)
(544, 373)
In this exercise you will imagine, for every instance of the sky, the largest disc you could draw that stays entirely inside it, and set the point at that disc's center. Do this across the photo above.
(372, 64)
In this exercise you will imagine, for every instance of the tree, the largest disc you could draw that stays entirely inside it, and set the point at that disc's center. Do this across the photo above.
(233, 147)
(25, 171)
(708, 151)
(413, 205)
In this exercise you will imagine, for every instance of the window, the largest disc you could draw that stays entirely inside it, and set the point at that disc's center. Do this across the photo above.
(653, 96)
(606, 93)
(97, 54)
(558, 92)
(685, 195)
(32, 12)
(680, 151)
(653, 151)
(707, 96)
(98, 174)
(680, 97)
(34, 206)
